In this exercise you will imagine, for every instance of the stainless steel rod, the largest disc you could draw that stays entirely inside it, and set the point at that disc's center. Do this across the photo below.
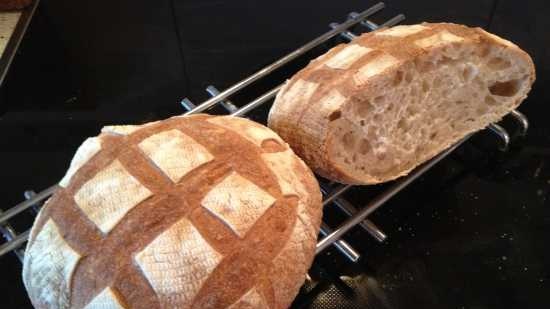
(291, 56)
(373, 26)
(366, 224)
(522, 120)
(9, 235)
(187, 104)
(257, 102)
(382, 198)
(5, 216)
(17, 242)
(393, 21)
(349, 35)
(502, 134)
(350, 210)
(228, 105)
(335, 193)
(342, 245)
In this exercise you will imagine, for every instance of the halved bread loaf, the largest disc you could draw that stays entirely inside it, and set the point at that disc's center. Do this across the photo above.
(372, 110)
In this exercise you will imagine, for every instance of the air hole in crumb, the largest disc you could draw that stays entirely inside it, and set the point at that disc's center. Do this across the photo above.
(364, 146)
(272, 145)
(445, 60)
(505, 89)
(433, 135)
(489, 100)
(389, 108)
(403, 124)
(413, 92)
(381, 156)
(408, 77)
(378, 99)
(377, 118)
(346, 160)
(334, 115)
(354, 158)
(412, 110)
(438, 82)
(362, 123)
(425, 86)
(363, 108)
(498, 63)
(349, 141)
(459, 102)
(398, 78)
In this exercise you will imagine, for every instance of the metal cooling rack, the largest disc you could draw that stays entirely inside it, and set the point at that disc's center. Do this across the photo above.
(357, 216)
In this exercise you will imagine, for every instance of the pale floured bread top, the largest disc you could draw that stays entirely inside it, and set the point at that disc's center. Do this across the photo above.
(190, 212)
(372, 110)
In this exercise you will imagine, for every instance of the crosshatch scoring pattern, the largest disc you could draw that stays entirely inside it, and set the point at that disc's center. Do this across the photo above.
(173, 241)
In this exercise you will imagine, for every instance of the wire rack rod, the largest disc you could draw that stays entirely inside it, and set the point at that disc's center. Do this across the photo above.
(8, 214)
(350, 210)
(15, 243)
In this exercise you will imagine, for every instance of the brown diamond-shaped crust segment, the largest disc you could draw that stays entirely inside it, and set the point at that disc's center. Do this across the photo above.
(238, 203)
(48, 268)
(148, 242)
(106, 198)
(175, 153)
(177, 263)
(107, 299)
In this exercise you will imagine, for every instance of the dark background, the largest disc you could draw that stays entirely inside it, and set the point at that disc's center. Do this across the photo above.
(472, 233)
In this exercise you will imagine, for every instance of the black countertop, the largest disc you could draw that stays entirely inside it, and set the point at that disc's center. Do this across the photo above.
(470, 233)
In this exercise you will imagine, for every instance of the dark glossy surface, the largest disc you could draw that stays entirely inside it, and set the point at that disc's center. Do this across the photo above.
(471, 233)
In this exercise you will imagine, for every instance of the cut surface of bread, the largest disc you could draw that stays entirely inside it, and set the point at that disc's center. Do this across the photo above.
(189, 212)
(372, 110)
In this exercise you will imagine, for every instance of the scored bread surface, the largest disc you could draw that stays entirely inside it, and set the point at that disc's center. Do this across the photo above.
(189, 212)
(372, 110)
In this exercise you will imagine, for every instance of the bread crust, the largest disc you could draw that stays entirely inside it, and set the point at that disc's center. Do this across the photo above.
(304, 119)
(254, 253)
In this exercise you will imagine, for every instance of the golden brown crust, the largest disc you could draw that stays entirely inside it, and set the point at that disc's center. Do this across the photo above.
(303, 121)
(108, 260)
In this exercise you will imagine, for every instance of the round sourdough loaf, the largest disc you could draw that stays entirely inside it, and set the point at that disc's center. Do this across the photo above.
(189, 212)
(372, 110)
